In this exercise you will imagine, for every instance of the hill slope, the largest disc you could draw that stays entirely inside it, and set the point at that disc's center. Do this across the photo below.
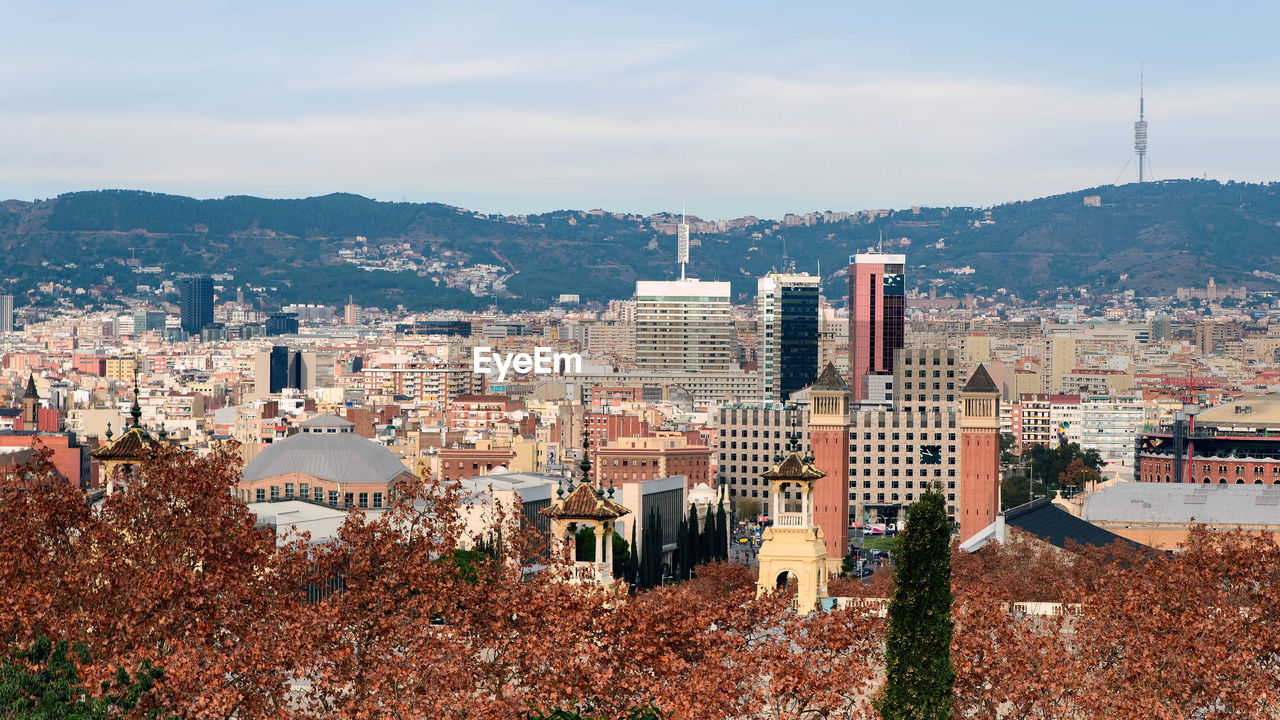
(1149, 238)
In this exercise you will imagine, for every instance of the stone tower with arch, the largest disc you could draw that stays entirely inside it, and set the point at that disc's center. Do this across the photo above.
(793, 547)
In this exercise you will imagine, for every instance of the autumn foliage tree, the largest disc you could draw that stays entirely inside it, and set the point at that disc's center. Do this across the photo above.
(173, 573)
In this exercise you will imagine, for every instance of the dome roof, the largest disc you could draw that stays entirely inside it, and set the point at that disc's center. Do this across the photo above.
(340, 457)
(702, 493)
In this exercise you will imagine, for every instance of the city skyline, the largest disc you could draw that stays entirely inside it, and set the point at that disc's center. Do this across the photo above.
(759, 111)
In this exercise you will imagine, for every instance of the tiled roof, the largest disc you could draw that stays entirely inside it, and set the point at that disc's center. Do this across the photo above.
(793, 468)
(584, 503)
(981, 382)
(1056, 526)
(134, 444)
(830, 380)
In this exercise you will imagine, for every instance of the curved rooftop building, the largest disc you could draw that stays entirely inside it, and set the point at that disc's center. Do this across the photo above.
(326, 463)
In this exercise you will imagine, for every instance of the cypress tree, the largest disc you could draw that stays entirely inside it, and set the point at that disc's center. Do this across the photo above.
(657, 548)
(920, 678)
(682, 548)
(705, 543)
(633, 558)
(647, 560)
(722, 533)
(695, 539)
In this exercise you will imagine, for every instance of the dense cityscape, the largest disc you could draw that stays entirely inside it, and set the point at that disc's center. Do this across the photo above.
(712, 429)
(566, 361)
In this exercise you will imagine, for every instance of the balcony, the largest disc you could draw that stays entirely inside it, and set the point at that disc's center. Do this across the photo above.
(792, 520)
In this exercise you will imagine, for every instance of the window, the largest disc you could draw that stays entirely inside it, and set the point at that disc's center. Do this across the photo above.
(275, 493)
(288, 491)
(319, 495)
(260, 495)
(347, 499)
(377, 500)
(333, 498)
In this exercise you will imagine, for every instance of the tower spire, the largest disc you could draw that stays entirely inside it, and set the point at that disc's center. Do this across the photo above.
(136, 410)
(682, 242)
(1140, 128)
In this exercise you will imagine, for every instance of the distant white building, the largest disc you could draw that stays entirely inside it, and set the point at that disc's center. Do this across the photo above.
(683, 325)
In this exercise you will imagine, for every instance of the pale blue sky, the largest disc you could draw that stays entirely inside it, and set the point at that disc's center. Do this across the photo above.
(736, 108)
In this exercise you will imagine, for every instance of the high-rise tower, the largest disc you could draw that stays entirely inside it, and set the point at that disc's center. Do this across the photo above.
(979, 453)
(877, 317)
(197, 303)
(1140, 133)
(787, 333)
(829, 443)
(6, 313)
(683, 325)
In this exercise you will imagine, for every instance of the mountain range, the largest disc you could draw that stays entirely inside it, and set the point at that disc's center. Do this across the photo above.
(1149, 238)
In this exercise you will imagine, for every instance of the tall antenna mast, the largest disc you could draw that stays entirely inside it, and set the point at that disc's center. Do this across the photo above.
(682, 246)
(1140, 130)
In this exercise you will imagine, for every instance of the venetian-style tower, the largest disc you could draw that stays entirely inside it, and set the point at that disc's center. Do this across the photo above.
(829, 443)
(979, 453)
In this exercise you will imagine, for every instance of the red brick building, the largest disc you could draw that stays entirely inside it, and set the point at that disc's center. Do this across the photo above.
(604, 428)
(459, 463)
(634, 459)
(479, 413)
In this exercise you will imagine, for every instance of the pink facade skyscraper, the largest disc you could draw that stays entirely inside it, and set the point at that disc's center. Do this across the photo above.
(877, 317)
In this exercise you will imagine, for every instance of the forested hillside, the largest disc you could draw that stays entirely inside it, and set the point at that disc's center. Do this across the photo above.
(1149, 238)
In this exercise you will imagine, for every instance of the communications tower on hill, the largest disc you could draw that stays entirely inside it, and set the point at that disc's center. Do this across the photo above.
(1140, 133)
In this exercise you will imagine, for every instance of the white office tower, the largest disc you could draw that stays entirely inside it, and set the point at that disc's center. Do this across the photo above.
(6, 313)
(683, 325)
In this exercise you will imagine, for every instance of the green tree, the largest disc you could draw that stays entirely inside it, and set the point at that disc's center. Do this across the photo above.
(722, 533)
(1007, 442)
(585, 544)
(621, 556)
(920, 678)
(43, 682)
(633, 558)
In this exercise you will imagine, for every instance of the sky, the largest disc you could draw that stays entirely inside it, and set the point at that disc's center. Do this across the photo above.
(732, 108)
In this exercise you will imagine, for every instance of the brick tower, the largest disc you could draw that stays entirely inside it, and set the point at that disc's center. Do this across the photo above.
(979, 453)
(829, 443)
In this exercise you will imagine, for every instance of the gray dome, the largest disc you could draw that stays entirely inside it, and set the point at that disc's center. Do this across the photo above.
(340, 457)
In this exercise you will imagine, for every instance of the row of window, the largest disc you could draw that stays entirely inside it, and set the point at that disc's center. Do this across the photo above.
(908, 360)
(733, 432)
(925, 373)
(317, 495)
(910, 436)
(893, 497)
(754, 471)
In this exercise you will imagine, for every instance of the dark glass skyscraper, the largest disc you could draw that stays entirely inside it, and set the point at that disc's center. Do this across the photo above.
(787, 331)
(197, 303)
(877, 317)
